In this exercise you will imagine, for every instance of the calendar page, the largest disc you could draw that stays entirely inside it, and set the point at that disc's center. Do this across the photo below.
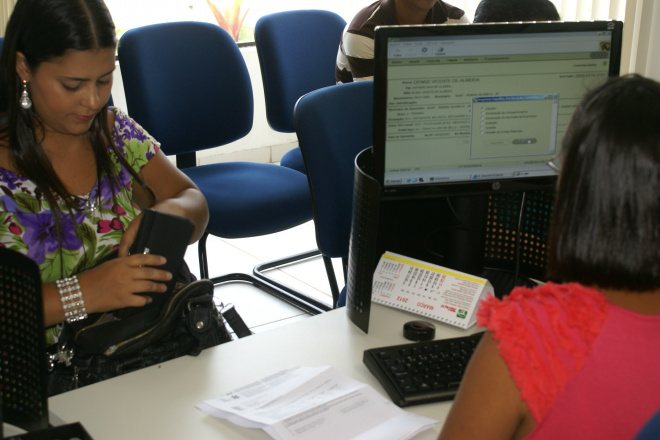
(428, 289)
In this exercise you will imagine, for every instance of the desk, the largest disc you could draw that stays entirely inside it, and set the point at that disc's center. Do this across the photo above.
(159, 402)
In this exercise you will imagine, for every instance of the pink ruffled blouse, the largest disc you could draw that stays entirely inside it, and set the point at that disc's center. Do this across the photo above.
(586, 368)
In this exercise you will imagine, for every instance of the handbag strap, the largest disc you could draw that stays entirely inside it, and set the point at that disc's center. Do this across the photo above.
(235, 321)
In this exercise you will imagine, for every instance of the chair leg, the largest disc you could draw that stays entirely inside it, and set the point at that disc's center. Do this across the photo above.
(306, 304)
(332, 280)
(287, 293)
(265, 283)
(344, 265)
(203, 258)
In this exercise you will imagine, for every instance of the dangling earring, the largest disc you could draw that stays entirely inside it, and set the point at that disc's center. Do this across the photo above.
(25, 100)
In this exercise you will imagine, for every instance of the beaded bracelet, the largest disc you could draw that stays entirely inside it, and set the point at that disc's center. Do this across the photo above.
(72, 300)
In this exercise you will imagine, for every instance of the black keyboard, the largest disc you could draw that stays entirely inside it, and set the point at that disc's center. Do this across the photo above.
(421, 372)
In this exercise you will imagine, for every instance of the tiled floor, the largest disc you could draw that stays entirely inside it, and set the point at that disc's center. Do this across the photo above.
(260, 310)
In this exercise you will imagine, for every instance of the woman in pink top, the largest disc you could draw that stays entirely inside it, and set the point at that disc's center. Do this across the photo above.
(579, 358)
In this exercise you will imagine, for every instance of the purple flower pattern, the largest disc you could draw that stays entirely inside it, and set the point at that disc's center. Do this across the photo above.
(40, 234)
(26, 220)
(10, 179)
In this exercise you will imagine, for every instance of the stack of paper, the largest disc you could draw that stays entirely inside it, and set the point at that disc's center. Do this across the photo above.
(310, 403)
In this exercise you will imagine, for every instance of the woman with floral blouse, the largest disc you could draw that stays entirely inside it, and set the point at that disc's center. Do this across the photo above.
(74, 173)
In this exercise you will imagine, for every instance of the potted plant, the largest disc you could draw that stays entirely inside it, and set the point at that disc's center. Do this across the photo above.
(230, 19)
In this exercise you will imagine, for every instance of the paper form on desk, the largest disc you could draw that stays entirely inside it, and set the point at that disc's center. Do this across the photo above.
(310, 403)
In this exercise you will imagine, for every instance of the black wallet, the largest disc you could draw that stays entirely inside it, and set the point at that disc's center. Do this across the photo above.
(166, 235)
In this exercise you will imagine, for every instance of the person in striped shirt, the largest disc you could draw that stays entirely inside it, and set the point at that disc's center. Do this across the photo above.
(355, 57)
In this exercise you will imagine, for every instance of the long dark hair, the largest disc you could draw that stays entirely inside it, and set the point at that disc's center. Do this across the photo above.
(606, 222)
(515, 10)
(44, 30)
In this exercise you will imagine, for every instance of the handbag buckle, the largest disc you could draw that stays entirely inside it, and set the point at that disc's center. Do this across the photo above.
(62, 356)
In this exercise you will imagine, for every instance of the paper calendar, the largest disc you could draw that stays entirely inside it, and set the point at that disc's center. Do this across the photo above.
(428, 290)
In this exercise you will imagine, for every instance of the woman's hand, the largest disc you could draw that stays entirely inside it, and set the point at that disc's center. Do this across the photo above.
(116, 283)
(112, 285)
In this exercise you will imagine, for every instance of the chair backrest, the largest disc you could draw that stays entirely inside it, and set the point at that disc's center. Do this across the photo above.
(651, 429)
(23, 369)
(187, 84)
(333, 125)
(297, 54)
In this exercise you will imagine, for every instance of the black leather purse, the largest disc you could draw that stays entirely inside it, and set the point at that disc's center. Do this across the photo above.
(107, 345)
(183, 321)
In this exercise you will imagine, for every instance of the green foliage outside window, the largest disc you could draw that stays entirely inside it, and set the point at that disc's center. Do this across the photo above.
(231, 19)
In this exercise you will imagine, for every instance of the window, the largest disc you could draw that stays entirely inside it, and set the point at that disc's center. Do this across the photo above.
(640, 33)
(131, 13)
(240, 16)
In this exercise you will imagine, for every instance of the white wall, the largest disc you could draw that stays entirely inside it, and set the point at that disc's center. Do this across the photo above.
(262, 144)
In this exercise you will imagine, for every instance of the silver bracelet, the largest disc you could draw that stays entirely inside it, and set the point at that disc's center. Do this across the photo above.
(72, 300)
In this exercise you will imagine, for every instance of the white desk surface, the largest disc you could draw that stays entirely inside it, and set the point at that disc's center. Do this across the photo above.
(159, 402)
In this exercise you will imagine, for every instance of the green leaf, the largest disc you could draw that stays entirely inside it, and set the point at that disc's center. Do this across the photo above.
(51, 269)
(136, 154)
(4, 229)
(85, 261)
(113, 236)
(27, 203)
(20, 246)
(54, 267)
(87, 235)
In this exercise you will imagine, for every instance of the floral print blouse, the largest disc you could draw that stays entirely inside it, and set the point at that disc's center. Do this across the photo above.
(26, 220)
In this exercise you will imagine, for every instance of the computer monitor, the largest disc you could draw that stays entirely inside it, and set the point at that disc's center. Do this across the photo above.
(481, 108)
(466, 118)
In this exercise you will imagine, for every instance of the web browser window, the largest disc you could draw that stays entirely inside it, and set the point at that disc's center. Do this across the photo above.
(476, 107)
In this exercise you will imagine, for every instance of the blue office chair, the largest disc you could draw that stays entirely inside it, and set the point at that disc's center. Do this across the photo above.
(333, 125)
(187, 84)
(297, 53)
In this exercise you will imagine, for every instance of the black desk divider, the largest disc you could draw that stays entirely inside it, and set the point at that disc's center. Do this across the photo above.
(72, 431)
(362, 256)
(23, 367)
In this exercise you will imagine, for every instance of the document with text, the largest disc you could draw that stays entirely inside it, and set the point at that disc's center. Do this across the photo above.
(309, 403)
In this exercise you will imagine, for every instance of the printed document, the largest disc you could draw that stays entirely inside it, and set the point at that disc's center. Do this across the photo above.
(309, 403)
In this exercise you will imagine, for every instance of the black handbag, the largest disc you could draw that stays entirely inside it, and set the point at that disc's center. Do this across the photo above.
(183, 321)
(108, 344)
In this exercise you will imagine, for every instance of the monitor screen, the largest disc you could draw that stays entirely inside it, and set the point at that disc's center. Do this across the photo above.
(472, 109)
